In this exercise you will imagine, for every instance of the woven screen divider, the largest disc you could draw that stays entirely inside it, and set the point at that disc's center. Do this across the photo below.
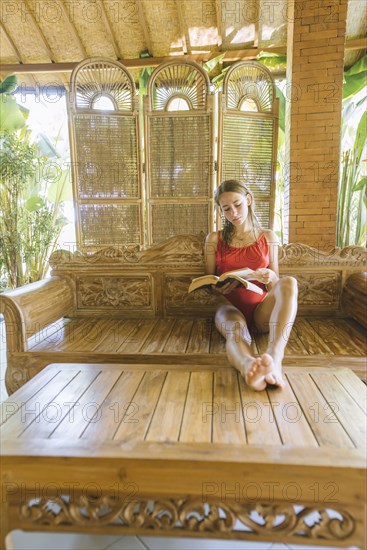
(179, 138)
(107, 179)
(248, 133)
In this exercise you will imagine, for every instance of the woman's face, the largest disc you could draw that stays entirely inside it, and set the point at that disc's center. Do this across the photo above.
(235, 207)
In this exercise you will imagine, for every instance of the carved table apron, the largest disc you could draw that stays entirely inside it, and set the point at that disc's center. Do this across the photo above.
(186, 451)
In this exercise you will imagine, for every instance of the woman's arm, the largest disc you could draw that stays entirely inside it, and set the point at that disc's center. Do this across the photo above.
(273, 258)
(210, 249)
(270, 275)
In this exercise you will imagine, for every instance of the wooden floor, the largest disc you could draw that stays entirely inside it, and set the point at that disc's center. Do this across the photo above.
(310, 336)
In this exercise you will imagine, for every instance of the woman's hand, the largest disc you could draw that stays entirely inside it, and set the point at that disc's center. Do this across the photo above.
(265, 276)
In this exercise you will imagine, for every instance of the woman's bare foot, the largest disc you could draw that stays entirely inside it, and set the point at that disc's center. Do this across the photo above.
(272, 369)
(254, 373)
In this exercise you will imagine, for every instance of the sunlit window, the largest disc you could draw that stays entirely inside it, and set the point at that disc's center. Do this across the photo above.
(103, 103)
(248, 104)
(178, 104)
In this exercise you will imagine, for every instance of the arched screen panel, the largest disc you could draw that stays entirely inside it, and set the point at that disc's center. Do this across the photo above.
(105, 155)
(248, 133)
(179, 141)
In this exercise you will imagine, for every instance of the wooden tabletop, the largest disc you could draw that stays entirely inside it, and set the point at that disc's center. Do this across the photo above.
(179, 430)
(114, 407)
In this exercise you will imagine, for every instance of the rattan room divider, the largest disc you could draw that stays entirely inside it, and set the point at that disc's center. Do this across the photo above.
(107, 177)
(248, 133)
(179, 142)
(112, 206)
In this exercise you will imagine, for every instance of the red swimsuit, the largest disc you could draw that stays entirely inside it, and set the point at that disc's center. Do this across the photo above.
(254, 256)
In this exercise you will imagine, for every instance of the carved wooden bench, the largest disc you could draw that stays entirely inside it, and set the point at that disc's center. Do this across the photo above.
(126, 305)
(150, 449)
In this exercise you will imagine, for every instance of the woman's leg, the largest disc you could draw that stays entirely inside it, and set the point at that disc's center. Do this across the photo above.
(232, 325)
(276, 314)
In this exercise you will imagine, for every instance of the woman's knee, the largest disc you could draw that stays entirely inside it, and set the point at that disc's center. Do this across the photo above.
(230, 321)
(288, 285)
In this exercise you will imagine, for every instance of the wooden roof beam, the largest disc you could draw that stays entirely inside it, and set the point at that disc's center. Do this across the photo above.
(257, 25)
(38, 30)
(230, 56)
(11, 43)
(218, 7)
(72, 28)
(185, 37)
(144, 27)
(109, 29)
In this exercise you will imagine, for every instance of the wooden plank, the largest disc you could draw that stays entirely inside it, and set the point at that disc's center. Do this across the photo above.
(26, 392)
(179, 337)
(87, 408)
(199, 337)
(356, 338)
(354, 386)
(197, 418)
(90, 341)
(31, 410)
(118, 333)
(311, 339)
(143, 406)
(138, 336)
(63, 409)
(318, 412)
(116, 407)
(291, 420)
(333, 335)
(55, 332)
(166, 422)
(217, 341)
(260, 424)
(228, 421)
(74, 332)
(346, 410)
(158, 337)
(86, 341)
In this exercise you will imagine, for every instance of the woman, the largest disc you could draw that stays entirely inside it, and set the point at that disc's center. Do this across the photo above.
(243, 243)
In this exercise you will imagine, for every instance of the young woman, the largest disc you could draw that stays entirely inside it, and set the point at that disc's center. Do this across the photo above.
(243, 243)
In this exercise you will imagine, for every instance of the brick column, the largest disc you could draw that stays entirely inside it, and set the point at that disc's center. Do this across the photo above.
(315, 61)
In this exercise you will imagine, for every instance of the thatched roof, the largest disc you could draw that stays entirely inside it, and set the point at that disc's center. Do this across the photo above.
(43, 32)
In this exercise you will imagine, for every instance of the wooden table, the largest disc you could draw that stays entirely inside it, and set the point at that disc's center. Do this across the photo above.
(186, 450)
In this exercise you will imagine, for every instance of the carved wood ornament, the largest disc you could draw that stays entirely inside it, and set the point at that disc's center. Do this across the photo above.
(190, 515)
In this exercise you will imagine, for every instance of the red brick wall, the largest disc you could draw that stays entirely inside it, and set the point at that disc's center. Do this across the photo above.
(316, 37)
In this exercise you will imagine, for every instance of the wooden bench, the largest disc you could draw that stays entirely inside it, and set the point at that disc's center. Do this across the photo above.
(125, 305)
(153, 449)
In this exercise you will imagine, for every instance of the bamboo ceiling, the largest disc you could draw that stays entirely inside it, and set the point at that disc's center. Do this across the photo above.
(38, 35)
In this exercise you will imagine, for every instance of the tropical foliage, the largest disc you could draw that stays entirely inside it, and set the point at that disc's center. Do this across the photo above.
(352, 193)
(32, 191)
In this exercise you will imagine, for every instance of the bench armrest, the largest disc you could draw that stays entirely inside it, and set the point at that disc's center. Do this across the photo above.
(30, 308)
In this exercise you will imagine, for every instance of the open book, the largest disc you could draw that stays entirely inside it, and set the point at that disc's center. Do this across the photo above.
(239, 275)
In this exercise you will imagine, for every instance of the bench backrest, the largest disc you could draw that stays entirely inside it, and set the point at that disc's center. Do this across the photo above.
(128, 282)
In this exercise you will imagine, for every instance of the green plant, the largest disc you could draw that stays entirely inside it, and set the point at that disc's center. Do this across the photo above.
(31, 209)
(352, 189)
(352, 192)
(32, 191)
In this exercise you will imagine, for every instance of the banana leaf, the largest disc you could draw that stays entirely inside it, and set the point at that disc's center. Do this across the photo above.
(358, 67)
(9, 85)
(11, 116)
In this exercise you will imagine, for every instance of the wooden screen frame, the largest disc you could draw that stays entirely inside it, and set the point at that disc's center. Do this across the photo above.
(273, 114)
(151, 112)
(73, 111)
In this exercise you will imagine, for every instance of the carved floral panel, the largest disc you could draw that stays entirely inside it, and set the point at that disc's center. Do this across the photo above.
(176, 295)
(115, 292)
(319, 288)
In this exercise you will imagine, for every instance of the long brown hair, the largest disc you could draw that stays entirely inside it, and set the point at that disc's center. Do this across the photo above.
(235, 186)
